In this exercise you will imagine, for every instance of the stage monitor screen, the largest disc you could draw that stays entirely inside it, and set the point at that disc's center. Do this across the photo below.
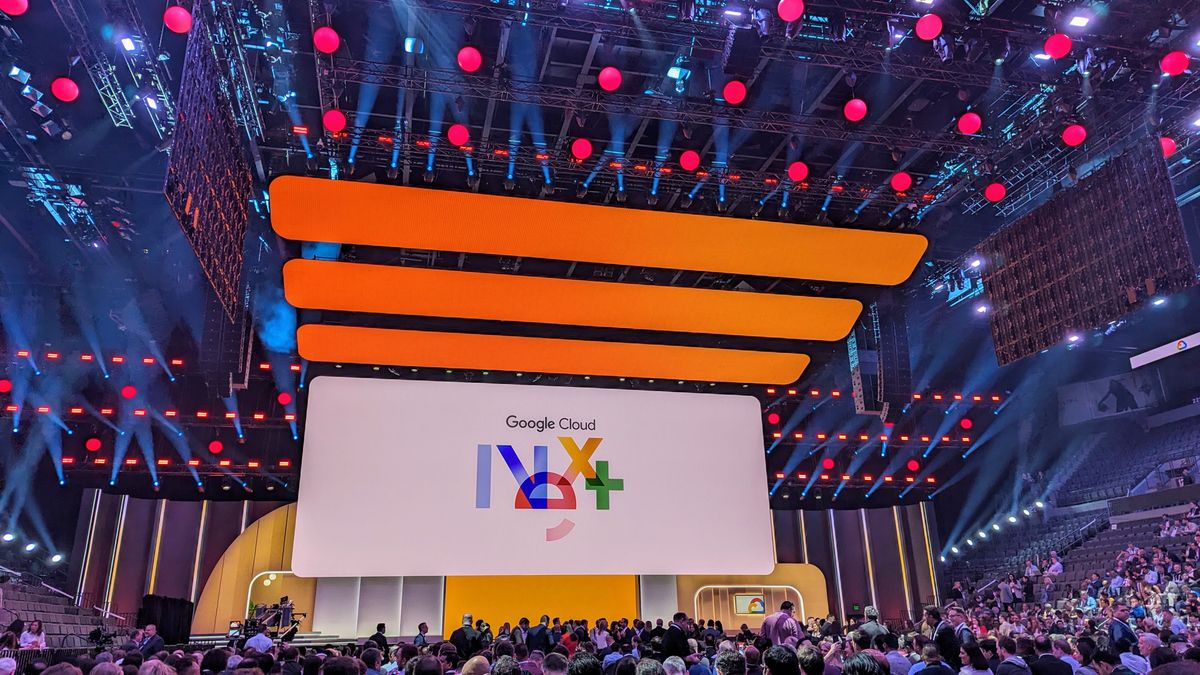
(451, 478)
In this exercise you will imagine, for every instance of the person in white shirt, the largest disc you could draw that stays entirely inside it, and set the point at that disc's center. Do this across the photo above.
(261, 642)
(34, 636)
(1031, 570)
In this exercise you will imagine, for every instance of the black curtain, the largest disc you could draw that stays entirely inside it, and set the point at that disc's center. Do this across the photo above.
(172, 616)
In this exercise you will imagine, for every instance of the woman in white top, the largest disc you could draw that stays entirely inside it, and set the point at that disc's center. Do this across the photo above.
(974, 662)
(34, 636)
(599, 634)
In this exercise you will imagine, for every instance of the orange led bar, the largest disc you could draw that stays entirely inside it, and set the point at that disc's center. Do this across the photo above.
(313, 284)
(345, 212)
(382, 346)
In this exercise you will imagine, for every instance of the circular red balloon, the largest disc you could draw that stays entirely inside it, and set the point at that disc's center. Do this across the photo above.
(469, 59)
(855, 109)
(970, 123)
(994, 192)
(913, 465)
(177, 19)
(966, 423)
(1058, 45)
(5, 386)
(1074, 135)
(14, 7)
(216, 447)
(1168, 148)
(797, 171)
(64, 89)
(334, 120)
(458, 134)
(326, 40)
(128, 391)
(901, 181)
(581, 148)
(284, 398)
(689, 160)
(828, 463)
(92, 444)
(773, 418)
(734, 92)
(929, 26)
(610, 78)
(790, 10)
(1175, 63)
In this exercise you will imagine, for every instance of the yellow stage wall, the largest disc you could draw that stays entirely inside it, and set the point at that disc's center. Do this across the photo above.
(264, 546)
(497, 599)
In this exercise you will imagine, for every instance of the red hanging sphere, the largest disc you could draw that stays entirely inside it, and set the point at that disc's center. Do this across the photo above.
(1074, 135)
(689, 160)
(216, 447)
(797, 171)
(901, 181)
(1168, 145)
(5, 386)
(855, 109)
(929, 26)
(994, 192)
(581, 148)
(970, 123)
(790, 10)
(14, 7)
(177, 19)
(128, 391)
(734, 92)
(913, 465)
(1058, 45)
(828, 463)
(1175, 63)
(284, 398)
(334, 121)
(966, 423)
(609, 78)
(469, 59)
(92, 444)
(64, 89)
(773, 418)
(458, 134)
(326, 40)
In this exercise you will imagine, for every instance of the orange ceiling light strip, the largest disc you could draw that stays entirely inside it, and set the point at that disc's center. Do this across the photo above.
(314, 209)
(427, 349)
(352, 287)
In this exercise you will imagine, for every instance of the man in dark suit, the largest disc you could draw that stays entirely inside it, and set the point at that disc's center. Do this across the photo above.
(1118, 628)
(380, 639)
(537, 639)
(943, 636)
(152, 643)
(1046, 663)
(674, 642)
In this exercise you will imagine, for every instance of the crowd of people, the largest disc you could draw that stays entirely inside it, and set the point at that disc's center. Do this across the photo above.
(965, 638)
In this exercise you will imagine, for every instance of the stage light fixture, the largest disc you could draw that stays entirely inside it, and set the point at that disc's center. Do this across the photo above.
(56, 558)
(1079, 21)
(8, 537)
(996, 526)
(1158, 302)
(30, 547)
(1073, 338)
(1012, 519)
(942, 558)
(954, 550)
(1040, 504)
(981, 309)
(128, 44)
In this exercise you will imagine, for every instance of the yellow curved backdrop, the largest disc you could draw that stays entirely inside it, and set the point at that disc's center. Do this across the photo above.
(265, 546)
(717, 601)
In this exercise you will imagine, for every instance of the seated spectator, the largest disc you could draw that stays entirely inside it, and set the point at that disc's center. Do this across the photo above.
(34, 636)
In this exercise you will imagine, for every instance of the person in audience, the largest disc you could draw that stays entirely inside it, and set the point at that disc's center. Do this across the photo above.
(1046, 662)
(152, 642)
(974, 661)
(781, 625)
(9, 640)
(1119, 628)
(779, 660)
(730, 662)
(380, 640)
(1010, 663)
(991, 651)
(260, 642)
(931, 657)
(8, 666)
(34, 636)
(943, 635)
(872, 627)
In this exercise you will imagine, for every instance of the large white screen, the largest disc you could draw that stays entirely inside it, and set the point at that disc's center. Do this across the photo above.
(397, 463)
